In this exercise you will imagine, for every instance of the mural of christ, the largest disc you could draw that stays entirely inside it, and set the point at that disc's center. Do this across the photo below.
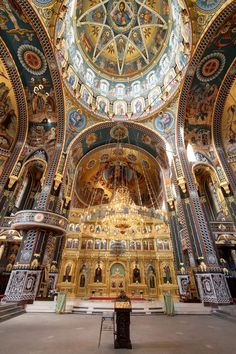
(121, 15)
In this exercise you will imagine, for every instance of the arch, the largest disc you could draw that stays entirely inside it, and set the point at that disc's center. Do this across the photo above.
(195, 78)
(208, 182)
(22, 111)
(44, 45)
(104, 139)
(217, 125)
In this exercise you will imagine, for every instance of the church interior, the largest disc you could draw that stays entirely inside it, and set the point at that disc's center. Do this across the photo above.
(118, 150)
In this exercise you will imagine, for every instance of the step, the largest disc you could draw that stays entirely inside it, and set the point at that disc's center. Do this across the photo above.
(226, 312)
(15, 313)
(41, 307)
(192, 309)
(4, 307)
(225, 317)
(98, 307)
(230, 310)
(9, 310)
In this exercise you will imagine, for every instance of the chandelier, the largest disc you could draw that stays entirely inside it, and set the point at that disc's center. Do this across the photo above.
(121, 216)
(122, 212)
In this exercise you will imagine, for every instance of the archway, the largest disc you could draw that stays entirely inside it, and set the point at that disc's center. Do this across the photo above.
(116, 187)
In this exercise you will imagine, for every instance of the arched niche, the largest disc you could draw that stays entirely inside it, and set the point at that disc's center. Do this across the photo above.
(102, 134)
(210, 191)
(29, 183)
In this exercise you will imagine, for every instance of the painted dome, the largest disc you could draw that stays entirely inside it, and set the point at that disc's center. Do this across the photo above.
(121, 39)
(122, 57)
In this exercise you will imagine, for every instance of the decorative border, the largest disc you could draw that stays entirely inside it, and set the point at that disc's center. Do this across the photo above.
(22, 112)
(217, 123)
(58, 89)
(26, 219)
(200, 225)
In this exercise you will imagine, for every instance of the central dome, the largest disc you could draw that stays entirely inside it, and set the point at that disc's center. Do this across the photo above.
(124, 59)
(121, 38)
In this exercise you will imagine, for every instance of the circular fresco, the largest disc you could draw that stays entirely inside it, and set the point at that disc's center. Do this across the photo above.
(164, 122)
(44, 2)
(119, 132)
(208, 5)
(32, 59)
(76, 120)
(91, 164)
(210, 67)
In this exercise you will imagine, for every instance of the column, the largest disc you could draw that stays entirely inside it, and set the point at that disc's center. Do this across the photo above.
(35, 254)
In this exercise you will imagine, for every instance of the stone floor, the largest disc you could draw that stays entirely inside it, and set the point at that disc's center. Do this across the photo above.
(72, 334)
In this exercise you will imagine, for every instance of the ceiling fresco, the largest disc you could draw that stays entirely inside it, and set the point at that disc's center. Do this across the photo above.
(24, 45)
(121, 133)
(124, 55)
(229, 126)
(205, 84)
(208, 5)
(121, 38)
(26, 50)
(8, 111)
(103, 170)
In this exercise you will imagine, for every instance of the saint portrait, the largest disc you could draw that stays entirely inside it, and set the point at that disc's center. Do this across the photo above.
(121, 15)
(76, 120)
(164, 122)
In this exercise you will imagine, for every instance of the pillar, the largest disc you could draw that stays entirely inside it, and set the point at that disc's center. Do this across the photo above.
(36, 253)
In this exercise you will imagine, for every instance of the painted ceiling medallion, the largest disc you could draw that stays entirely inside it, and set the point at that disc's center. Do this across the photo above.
(210, 67)
(121, 37)
(119, 132)
(32, 59)
(208, 5)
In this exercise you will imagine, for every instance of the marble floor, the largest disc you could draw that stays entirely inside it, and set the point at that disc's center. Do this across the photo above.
(72, 334)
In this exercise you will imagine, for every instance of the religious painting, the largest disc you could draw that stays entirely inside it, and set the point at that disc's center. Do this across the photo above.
(91, 139)
(68, 243)
(72, 227)
(122, 14)
(169, 80)
(41, 133)
(154, 97)
(8, 115)
(117, 276)
(86, 95)
(68, 270)
(103, 245)
(164, 122)
(97, 244)
(119, 132)
(2, 161)
(181, 57)
(229, 124)
(90, 76)
(117, 268)
(102, 105)
(231, 131)
(151, 79)
(75, 243)
(91, 164)
(90, 244)
(119, 40)
(208, 5)
(72, 78)
(137, 105)
(76, 120)
(98, 273)
(200, 103)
